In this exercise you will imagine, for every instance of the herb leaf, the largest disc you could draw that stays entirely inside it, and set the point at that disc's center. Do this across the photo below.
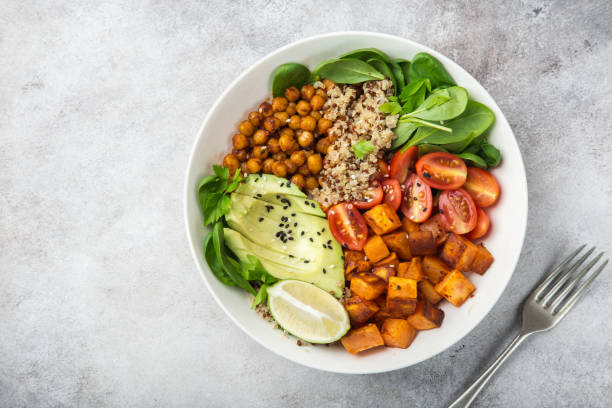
(424, 66)
(348, 71)
(473, 159)
(491, 154)
(390, 108)
(362, 148)
(213, 193)
(252, 269)
(286, 75)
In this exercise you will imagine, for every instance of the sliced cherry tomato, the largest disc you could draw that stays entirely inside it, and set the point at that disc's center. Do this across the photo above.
(383, 173)
(416, 201)
(348, 226)
(402, 163)
(458, 211)
(482, 186)
(393, 193)
(441, 170)
(371, 197)
(482, 225)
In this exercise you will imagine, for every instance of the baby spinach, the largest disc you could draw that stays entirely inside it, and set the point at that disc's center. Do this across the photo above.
(405, 67)
(403, 132)
(421, 122)
(213, 262)
(365, 54)
(213, 193)
(362, 148)
(473, 159)
(413, 94)
(442, 104)
(286, 75)
(399, 77)
(429, 148)
(384, 69)
(491, 154)
(424, 65)
(349, 71)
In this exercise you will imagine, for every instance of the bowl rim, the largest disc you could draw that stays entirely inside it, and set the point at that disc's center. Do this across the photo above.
(188, 188)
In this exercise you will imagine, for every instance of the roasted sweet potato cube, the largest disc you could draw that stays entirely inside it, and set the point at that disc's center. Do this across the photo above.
(434, 225)
(434, 268)
(401, 295)
(426, 316)
(391, 260)
(409, 226)
(354, 263)
(367, 286)
(363, 338)
(375, 249)
(458, 252)
(422, 243)
(455, 288)
(384, 314)
(397, 333)
(398, 242)
(360, 310)
(482, 261)
(411, 270)
(384, 272)
(382, 219)
(427, 291)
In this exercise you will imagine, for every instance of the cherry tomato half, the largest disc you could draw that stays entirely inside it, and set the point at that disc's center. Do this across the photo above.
(441, 170)
(402, 163)
(348, 226)
(482, 225)
(482, 186)
(417, 200)
(393, 193)
(458, 211)
(371, 197)
(383, 173)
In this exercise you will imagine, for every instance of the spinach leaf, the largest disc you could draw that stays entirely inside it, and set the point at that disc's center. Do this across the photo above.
(403, 132)
(213, 193)
(384, 69)
(442, 104)
(362, 148)
(405, 66)
(429, 148)
(229, 265)
(399, 77)
(491, 154)
(413, 94)
(261, 296)
(366, 53)
(348, 71)
(424, 65)
(213, 262)
(421, 122)
(390, 108)
(474, 159)
(286, 75)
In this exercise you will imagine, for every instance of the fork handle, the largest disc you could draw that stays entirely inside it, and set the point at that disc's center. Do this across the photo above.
(470, 394)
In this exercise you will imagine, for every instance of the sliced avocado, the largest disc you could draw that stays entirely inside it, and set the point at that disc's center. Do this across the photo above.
(298, 204)
(267, 183)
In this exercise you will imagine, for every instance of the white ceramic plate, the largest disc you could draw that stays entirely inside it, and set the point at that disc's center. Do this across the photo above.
(508, 217)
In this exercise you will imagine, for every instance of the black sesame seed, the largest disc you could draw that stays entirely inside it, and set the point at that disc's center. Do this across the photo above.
(398, 287)
(414, 198)
(441, 211)
(306, 261)
(311, 240)
(281, 225)
(285, 207)
(426, 175)
(290, 238)
(302, 233)
(342, 257)
(351, 213)
(293, 214)
(329, 242)
(312, 205)
(323, 230)
(259, 195)
(424, 209)
(261, 219)
(295, 224)
(324, 246)
(318, 233)
(345, 245)
(418, 184)
(291, 256)
(306, 202)
(324, 271)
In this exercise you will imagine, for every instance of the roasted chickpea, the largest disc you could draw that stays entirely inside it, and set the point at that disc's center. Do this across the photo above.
(286, 142)
(291, 167)
(240, 141)
(231, 162)
(246, 128)
(303, 170)
(279, 104)
(323, 145)
(315, 163)
(316, 102)
(321, 93)
(286, 131)
(294, 122)
(305, 138)
(307, 91)
(303, 108)
(282, 117)
(266, 167)
(260, 152)
(298, 157)
(292, 93)
(266, 109)
(308, 123)
(291, 108)
(241, 155)
(328, 84)
(273, 145)
(293, 148)
(255, 118)
(298, 180)
(316, 114)
(279, 169)
(260, 137)
(253, 165)
(271, 124)
(311, 183)
(280, 156)
(323, 125)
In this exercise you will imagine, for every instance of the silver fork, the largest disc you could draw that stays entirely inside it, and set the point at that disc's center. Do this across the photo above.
(543, 309)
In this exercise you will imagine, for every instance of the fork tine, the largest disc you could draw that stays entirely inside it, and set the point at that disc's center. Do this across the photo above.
(555, 272)
(580, 292)
(574, 282)
(552, 291)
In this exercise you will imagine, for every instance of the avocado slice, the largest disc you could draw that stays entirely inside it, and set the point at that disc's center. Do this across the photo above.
(268, 183)
(298, 204)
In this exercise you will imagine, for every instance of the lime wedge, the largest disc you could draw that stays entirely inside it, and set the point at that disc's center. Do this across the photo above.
(307, 312)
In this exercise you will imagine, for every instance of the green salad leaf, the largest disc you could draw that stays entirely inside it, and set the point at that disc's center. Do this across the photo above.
(213, 193)
(347, 71)
(287, 75)
(362, 148)
(424, 66)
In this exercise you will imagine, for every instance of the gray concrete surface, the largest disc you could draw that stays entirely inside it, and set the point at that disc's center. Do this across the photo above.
(100, 302)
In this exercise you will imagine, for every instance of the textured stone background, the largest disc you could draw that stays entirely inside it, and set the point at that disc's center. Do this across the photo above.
(100, 102)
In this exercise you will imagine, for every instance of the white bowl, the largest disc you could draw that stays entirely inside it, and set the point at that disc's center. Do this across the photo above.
(508, 217)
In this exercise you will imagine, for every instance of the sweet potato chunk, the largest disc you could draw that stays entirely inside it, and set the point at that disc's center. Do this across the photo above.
(355, 263)
(427, 291)
(401, 295)
(409, 226)
(422, 243)
(391, 260)
(382, 219)
(367, 286)
(398, 243)
(458, 252)
(360, 310)
(361, 339)
(375, 249)
(434, 268)
(397, 333)
(482, 261)
(426, 316)
(455, 288)
(411, 270)
(384, 272)
(434, 225)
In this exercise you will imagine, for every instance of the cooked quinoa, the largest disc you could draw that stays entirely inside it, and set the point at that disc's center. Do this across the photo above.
(353, 109)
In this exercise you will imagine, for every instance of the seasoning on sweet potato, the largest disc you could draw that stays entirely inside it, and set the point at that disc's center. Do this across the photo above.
(360, 310)
(434, 268)
(401, 295)
(409, 226)
(482, 261)
(398, 242)
(397, 333)
(427, 291)
(367, 286)
(411, 270)
(384, 272)
(426, 316)
(375, 249)
(455, 288)
(362, 338)
(382, 219)
(458, 252)
(391, 260)
(354, 263)
(434, 225)
(422, 243)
